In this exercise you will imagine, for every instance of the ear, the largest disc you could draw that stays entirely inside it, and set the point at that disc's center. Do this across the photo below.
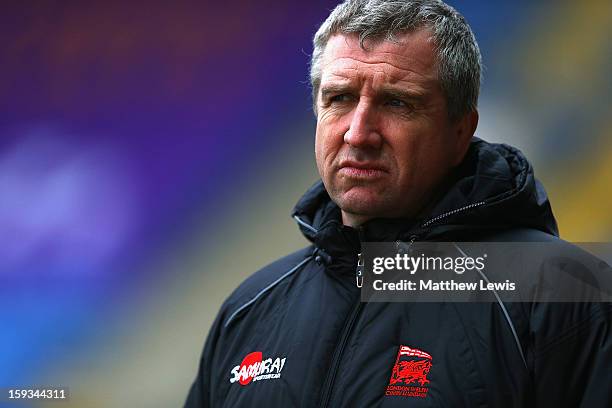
(464, 129)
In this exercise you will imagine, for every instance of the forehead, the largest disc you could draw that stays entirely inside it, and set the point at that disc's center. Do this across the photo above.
(410, 59)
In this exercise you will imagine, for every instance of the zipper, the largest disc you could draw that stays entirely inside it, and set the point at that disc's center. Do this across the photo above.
(449, 213)
(333, 371)
(346, 330)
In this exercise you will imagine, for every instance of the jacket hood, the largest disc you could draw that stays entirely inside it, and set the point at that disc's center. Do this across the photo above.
(494, 188)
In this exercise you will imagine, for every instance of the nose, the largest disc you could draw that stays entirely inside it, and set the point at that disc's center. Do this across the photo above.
(363, 132)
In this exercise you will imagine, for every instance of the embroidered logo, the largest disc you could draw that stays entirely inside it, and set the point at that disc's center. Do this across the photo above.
(255, 368)
(409, 374)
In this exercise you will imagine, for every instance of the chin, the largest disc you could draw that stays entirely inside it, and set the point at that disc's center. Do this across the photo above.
(369, 205)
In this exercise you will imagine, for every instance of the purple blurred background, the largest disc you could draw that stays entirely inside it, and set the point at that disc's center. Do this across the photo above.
(150, 154)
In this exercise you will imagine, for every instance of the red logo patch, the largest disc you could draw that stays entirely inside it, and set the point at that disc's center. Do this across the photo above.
(409, 374)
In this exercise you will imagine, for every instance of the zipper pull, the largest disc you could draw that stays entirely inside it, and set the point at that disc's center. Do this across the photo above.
(359, 271)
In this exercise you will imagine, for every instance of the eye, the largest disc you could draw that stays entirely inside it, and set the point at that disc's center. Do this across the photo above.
(396, 103)
(340, 98)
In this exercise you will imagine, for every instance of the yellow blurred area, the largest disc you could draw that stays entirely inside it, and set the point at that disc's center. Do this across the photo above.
(582, 200)
(570, 58)
(571, 48)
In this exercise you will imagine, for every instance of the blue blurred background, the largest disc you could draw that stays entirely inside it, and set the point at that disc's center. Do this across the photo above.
(150, 154)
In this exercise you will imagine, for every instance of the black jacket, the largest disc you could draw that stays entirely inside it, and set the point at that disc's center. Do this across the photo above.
(295, 333)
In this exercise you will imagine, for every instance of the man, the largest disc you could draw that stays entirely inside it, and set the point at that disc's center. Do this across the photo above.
(395, 89)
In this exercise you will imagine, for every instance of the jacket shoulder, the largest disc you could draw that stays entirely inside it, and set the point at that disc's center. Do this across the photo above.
(264, 279)
(203, 391)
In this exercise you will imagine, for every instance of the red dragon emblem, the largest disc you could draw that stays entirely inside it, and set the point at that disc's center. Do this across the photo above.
(409, 374)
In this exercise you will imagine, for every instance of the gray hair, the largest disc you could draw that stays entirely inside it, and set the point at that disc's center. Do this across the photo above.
(459, 61)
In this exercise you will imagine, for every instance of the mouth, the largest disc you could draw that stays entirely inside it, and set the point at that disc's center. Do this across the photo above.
(363, 170)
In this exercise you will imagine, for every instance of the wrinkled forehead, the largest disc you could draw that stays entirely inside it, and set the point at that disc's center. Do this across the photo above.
(410, 54)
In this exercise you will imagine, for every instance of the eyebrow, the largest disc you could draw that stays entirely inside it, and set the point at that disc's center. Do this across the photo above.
(410, 95)
(331, 89)
(385, 92)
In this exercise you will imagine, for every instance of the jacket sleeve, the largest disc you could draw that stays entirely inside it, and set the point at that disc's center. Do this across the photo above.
(573, 370)
(200, 393)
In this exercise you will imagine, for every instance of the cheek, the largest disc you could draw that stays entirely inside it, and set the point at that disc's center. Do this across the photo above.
(407, 154)
(321, 150)
(425, 160)
(319, 139)
(326, 144)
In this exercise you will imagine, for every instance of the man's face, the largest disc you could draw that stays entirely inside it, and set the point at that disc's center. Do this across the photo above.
(383, 141)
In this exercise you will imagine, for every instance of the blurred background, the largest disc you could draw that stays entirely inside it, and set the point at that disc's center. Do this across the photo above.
(150, 155)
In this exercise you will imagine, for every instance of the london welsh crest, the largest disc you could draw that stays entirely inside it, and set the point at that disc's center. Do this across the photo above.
(409, 373)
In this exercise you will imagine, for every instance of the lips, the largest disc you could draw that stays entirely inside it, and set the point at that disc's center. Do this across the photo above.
(361, 169)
